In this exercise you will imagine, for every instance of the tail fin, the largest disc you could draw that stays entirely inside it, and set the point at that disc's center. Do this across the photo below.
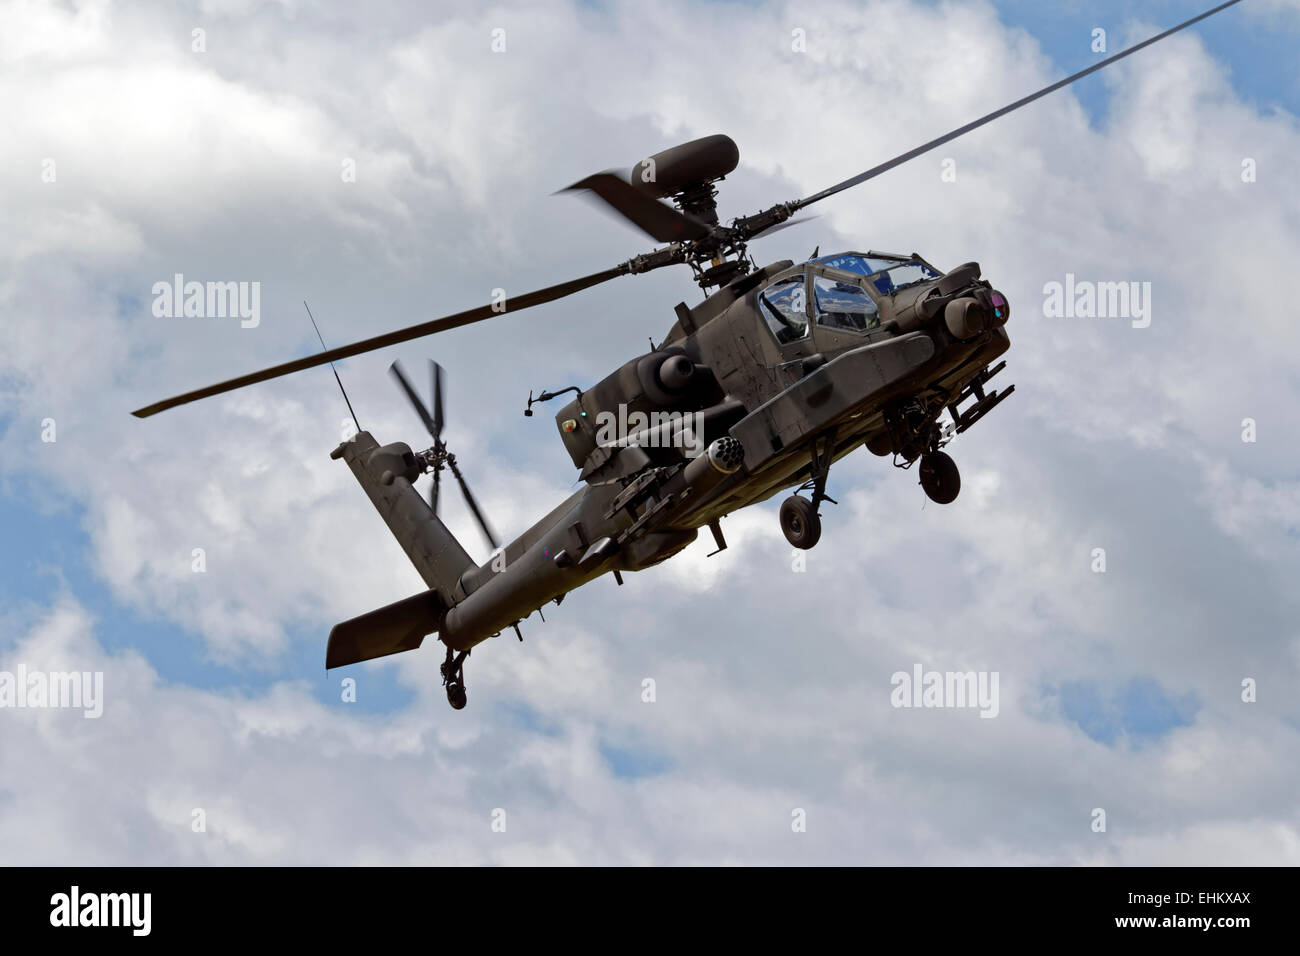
(386, 472)
(434, 551)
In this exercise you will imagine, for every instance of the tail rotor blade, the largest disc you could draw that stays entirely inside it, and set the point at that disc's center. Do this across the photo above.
(411, 396)
(473, 505)
(435, 373)
(433, 490)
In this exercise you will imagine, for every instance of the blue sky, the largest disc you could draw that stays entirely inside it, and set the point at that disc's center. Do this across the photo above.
(1260, 58)
(46, 557)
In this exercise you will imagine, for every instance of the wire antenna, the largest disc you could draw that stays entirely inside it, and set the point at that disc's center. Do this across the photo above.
(332, 368)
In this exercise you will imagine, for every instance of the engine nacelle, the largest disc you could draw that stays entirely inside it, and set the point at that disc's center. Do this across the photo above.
(667, 381)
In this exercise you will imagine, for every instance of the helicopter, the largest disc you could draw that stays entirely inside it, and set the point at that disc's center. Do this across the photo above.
(779, 372)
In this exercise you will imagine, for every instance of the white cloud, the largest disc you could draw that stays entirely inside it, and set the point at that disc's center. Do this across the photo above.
(226, 165)
(281, 778)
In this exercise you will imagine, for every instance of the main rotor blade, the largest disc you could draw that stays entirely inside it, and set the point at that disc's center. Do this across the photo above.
(435, 373)
(473, 505)
(433, 490)
(783, 225)
(430, 424)
(658, 220)
(875, 171)
(515, 304)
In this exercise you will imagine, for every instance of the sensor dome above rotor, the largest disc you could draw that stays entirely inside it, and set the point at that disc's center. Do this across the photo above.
(685, 167)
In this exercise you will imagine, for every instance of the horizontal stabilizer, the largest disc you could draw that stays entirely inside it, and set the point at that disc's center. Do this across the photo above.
(388, 630)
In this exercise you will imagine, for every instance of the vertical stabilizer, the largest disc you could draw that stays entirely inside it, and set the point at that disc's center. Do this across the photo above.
(386, 473)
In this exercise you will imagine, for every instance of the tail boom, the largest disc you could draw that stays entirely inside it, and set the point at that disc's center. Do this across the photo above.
(386, 473)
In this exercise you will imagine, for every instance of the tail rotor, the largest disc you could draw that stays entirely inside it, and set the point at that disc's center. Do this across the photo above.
(437, 457)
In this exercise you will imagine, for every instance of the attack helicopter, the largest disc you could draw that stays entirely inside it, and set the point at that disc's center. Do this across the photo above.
(780, 371)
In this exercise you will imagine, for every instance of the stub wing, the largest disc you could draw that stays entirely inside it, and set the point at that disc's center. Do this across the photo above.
(389, 630)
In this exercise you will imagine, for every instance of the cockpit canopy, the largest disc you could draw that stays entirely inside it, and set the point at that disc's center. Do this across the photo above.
(842, 292)
(887, 273)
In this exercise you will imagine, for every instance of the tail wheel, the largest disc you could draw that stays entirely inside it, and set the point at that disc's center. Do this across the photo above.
(453, 678)
(940, 478)
(456, 695)
(800, 522)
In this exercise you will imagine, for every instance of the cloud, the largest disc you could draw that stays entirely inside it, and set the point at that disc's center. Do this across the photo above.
(772, 685)
(281, 778)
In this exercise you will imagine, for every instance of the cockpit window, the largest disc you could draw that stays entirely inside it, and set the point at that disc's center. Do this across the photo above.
(888, 275)
(843, 305)
(862, 265)
(785, 308)
(909, 273)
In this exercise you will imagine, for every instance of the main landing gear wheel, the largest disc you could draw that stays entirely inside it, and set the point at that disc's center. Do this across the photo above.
(940, 478)
(800, 522)
(799, 517)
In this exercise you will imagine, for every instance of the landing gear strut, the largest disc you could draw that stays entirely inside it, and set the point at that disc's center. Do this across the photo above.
(915, 437)
(800, 520)
(453, 678)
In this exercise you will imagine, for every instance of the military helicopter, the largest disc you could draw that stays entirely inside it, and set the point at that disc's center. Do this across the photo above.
(779, 372)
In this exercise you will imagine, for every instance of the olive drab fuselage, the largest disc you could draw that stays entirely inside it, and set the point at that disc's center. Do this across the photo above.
(833, 389)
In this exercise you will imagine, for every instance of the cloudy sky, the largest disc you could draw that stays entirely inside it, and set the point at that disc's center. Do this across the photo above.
(135, 148)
